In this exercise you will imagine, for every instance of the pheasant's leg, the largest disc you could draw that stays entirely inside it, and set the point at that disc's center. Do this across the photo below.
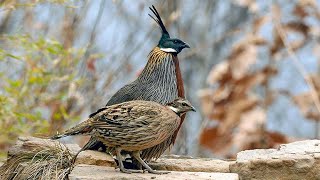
(136, 155)
(122, 169)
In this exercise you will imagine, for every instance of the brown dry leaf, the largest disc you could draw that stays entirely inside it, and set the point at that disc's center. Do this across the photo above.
(306, 105)
(314, 31)
(270, 97)
(291, 27)
(252, 120)
(311, 3)
(220, 144)
(316, 50)
(249, 129)
(259, 22)
(221, 94)
(244, 54)
(264, 140)
(259, 77)
(297, 44)
(213, 102)
(277, 44)
(300, 11)
(206, 101)
(251, 132)
(274, 139)
(90, 64)
(250, 4)
(218, 112)
(244, 84)
(256, 40)
(249, 135)
(174, 16)
(218, 72)
(315, 81)
(303, 101)
(241, 59)
(234, 111)
(297, 26)
(250, 39)
(276, 11)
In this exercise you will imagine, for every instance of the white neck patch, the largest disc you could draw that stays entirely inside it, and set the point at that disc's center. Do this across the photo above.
(174, 109)
(168, 50)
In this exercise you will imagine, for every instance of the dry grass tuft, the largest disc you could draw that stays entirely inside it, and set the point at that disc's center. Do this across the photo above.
(42, 162)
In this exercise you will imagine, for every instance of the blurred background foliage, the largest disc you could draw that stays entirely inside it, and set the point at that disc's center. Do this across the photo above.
(252, 71)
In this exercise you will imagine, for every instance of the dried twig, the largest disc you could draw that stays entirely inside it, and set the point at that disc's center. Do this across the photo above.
(300, 68)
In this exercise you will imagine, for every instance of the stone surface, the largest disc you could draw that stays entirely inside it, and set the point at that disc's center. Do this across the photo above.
(294, 161)
(298, 160)
(176, 163)
(28, 144)
(167, 163)
(89, 172)
(95, 158)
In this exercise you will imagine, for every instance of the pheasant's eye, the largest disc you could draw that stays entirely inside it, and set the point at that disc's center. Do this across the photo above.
(175, 41)
(184, 104)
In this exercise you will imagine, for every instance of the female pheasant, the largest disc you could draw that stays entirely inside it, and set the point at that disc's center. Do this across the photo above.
(133, 126)
(160, 81)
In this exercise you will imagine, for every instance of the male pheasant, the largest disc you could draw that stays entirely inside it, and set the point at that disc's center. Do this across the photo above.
(133, 126)
(160, 81)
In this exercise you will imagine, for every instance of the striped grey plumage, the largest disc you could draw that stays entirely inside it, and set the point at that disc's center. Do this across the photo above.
(157, 82)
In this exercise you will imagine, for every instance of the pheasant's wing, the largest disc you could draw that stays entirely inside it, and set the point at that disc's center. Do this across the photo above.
(131, 122)
(128, 114)
(117, 119)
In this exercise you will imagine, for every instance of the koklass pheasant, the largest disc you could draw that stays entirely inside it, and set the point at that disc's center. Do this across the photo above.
(133, 126)
(160, 81)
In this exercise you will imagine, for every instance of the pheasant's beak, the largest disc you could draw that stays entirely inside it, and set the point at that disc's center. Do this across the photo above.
(193, 109)
(186, 45)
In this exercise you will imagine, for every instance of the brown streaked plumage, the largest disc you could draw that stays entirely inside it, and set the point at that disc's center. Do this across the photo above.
(133, 126)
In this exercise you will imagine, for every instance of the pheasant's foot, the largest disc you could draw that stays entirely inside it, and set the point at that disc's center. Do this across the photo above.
(157, 172)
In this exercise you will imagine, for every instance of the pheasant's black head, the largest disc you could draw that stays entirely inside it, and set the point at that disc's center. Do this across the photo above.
(172, 45)
(180, 106)
(167, 44)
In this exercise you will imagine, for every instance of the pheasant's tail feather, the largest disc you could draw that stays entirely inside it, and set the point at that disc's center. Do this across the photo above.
(158, 20)
(57, 136)
(83, 128)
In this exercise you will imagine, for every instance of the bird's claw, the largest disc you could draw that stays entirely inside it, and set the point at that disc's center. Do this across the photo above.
(158, 172)
(129, 171)
(125, 171)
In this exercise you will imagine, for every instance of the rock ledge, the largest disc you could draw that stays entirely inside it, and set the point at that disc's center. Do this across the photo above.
(294, 161)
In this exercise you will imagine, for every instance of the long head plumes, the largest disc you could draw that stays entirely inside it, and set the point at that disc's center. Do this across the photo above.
(180, 106)
(158, 20)
(167, 44)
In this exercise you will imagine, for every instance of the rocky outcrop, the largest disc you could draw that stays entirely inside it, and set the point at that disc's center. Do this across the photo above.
(90, 172)
(95, 158)
(294, 161)
(298, 160)
(182, 163)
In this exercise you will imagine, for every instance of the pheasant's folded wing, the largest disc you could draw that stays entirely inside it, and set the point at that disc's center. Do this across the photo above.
(129, 114)
(131, 119)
